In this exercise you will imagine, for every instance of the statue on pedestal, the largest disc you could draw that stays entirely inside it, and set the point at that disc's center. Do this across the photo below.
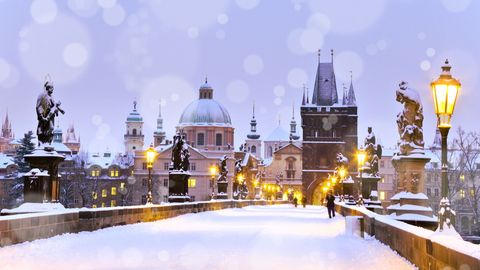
(373, 153)
(180, 153)
(47, 109)
(410, 121)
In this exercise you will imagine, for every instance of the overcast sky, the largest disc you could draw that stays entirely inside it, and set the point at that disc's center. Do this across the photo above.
(104, 54)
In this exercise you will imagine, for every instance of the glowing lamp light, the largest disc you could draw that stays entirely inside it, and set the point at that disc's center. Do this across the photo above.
(361, 155)
(445, 92)
(334, 180)
(342, 173)
(151, 154)
(325, 189)
(213, 170)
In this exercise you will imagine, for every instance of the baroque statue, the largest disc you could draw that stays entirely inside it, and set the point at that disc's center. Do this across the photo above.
(410, 121)
(373, 152)
(180, 153)
(223, 169)
(47, 109)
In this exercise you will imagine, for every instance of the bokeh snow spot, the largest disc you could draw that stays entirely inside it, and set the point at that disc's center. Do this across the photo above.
(5, 70)
(132, 258)
(192, 32)
(430, 52)
(371, 49)
(253, 64)
(84, 8)
(361, 14)
(43, 11)
(107, 3)
(320, 22)
(222, 19)
(247, 4)
(347, 61)
(114, 16)
(277, 101)
(238, 91)
(425, 65)
(381, 44)
(297, 77)
(279, 90)
(421, 36)
(456, 5)
(42, 49)
(75, 54)
(311, 40)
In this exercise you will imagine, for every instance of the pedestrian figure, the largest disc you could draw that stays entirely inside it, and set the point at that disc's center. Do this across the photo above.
(295, 201)
(330, 204)
(304, 202)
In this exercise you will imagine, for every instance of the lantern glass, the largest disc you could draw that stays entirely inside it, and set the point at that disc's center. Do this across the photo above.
(151, 153)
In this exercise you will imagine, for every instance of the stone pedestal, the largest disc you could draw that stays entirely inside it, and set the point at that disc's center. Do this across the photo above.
(410, 204)
(178, 186)
(369, 184)
(348, 187)
(222, 193)
(42, 184)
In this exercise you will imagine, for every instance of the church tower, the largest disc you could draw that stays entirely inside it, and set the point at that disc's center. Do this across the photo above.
(253, 144)
(133, 138)
(329, 127)
(293, 126)
(159, 134)
(71, 140)
(7, 129)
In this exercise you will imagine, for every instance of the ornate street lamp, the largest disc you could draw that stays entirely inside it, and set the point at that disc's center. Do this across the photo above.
(151, 154)
(445, 92)
(213, 173)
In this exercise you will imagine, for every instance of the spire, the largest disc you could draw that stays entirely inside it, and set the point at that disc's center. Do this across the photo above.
(159, 135)
(303, 98)
(344, 100)
(293, 125)
(325, 88)
(437, 140)
(308, 101)
(318, 55)
(253, 135)
(351, 100)
(160, 109)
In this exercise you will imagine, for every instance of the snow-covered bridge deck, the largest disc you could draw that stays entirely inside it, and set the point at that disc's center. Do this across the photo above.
(255, 237)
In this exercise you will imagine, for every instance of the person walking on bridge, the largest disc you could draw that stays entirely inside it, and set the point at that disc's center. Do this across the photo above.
(330, 204)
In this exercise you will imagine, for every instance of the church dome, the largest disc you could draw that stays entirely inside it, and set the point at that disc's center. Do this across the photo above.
(205, 111)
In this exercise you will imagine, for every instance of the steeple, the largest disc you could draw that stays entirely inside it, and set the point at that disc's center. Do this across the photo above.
(7, 128)
(325, 88)
(437, 141)
(303, 98)
(351, 100)
(344, 100)
(253, 135)
(159, 134)
(293, 125)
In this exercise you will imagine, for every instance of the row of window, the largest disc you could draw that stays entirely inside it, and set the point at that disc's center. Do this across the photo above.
(96, 173)
(113, 191)
(201, 139)
(113, 203)
(192, 183)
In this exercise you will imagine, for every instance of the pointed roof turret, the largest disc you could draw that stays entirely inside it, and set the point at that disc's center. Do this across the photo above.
(253, 135)
(325, 88)
(437, 141)
(351, 100)
(134, 116)
(303, 98)
(293, 125)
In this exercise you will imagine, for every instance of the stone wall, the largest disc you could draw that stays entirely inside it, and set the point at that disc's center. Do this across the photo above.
(416, 244)
(16, 229)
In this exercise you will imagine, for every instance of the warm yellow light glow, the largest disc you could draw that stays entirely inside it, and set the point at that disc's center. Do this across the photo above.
(240, 178)
(325, 189)
(342, 173)
(445, 92)
(361, 155)
(213, 170)
(192, 183)
(255, 183)
(334, 180)
(278, 188)
(151, 154)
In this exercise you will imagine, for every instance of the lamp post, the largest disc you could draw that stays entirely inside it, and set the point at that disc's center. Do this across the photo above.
(361, 155)
(445, 91)
(151, 154)
(213, 173)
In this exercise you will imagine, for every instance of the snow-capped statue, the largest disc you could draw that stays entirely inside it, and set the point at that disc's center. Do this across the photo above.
(180, 153)
(410, 121)
(47, 109)
(342, 161)
(373, 153)
(223, 170)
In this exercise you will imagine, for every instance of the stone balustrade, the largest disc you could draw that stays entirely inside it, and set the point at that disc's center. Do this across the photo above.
(422, 247)
(20, 228)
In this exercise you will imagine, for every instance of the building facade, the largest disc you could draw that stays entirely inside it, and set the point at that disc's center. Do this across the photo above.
(329, 127)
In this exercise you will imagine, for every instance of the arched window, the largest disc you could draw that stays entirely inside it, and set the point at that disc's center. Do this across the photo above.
(270, 151)
(253, 149)
(218, 139)
(200, 139)
(134, 132)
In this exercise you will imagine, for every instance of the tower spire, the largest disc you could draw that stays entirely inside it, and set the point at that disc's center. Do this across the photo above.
(318, 55)
(253, 113)
(303, 98)
(307, 96)
(331, 52)
(253, 135)
(351, 100)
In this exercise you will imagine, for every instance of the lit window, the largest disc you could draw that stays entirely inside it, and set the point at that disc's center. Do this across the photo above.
(113, 203)
(462, 178)
(462, 193)
(93, 173)
(103, 204)
(104, 193)
(382, 195)
(94, 206)
(112, 173)
(116, 173)
(122, 185)
(94, 195)
(192, 183)
(114, 191)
